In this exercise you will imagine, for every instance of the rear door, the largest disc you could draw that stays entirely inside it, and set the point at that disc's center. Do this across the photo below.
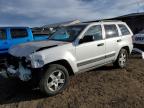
(19, 35)
(4, 43)
(113, 39)
(126, 33)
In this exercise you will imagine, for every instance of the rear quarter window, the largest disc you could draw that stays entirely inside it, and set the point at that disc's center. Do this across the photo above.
(124, 30)
(19, 33)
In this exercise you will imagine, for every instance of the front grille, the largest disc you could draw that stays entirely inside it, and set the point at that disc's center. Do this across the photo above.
(13, 61)
(16, 60)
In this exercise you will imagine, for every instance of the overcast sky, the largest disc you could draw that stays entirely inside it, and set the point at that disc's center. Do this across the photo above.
(41, 12)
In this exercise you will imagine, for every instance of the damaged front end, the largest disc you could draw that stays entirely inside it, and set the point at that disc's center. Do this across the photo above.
(17, 68)
(26, 58)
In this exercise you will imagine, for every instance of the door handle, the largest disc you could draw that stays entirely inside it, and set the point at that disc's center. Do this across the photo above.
(119, 40)
(101, 44)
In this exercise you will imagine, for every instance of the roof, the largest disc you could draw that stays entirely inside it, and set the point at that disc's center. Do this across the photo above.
(131, 15)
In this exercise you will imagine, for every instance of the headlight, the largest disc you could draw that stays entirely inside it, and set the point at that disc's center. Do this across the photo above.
(36, 61)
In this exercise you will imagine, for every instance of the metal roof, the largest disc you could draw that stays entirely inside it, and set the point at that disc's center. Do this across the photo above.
(131, 15)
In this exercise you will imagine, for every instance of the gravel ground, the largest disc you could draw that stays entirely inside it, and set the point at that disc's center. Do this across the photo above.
(104, 87)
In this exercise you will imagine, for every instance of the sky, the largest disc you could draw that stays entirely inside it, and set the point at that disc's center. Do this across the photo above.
(34, 13)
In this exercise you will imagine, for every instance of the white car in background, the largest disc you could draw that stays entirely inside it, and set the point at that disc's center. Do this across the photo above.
(138, 41)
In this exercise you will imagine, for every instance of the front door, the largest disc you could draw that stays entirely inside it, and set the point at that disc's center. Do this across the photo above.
(90, 54)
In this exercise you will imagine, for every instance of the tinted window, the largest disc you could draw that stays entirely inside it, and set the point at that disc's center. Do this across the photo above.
(124, 29)
(19, 33)
(95, 31)
(2, 34)
(111, 31)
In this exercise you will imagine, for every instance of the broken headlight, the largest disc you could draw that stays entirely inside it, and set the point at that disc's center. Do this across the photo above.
(36, 61)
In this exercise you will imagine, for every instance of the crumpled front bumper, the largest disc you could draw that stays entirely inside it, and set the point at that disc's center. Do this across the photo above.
(21, 72)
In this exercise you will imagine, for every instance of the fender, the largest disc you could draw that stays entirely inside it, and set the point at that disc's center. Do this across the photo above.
(65, 56)
(53, 55)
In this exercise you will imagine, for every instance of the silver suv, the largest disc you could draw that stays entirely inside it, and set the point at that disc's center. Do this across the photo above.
(70, 50)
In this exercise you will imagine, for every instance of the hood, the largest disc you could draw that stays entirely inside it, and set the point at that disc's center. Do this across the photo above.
(26, 49)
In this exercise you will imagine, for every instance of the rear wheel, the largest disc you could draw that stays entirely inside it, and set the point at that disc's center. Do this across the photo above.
(55, 80)
(121, 61)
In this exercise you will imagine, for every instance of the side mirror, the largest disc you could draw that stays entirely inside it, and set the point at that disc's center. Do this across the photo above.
(87, 38)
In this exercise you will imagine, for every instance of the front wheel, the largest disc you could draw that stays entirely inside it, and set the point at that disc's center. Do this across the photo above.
(55, 80)
(121, 61)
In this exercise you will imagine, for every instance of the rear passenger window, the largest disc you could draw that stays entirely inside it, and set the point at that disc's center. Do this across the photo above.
(19, 33)
(124, 29)
(3, 34)
(111, 31)
(95, 31)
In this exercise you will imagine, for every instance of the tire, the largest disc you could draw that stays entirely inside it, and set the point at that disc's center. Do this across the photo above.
(54, 80)
(122, 58)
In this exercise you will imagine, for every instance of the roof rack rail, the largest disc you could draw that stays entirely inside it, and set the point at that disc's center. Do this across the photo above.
(109, 20)
(105, 20)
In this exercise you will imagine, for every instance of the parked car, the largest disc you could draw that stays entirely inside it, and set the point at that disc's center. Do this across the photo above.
(70, 50)
(138, 40)
(10, 36)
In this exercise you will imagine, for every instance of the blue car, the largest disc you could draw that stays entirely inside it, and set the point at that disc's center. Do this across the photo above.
(10, 36)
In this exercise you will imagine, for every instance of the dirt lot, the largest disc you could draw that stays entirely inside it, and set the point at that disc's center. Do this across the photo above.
(105, 87)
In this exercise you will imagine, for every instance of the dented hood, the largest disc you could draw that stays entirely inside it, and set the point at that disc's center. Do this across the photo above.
(25, 49)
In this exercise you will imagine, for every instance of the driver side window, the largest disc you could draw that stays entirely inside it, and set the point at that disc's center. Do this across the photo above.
(95, 31)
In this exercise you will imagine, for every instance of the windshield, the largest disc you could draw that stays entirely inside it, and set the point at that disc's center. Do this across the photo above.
(142, 32)
(68, 34)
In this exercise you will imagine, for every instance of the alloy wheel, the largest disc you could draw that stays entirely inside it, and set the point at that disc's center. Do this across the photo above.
(56, 80)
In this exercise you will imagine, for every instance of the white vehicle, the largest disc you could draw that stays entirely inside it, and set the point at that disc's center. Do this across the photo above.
(138, 41)
(72, 49)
